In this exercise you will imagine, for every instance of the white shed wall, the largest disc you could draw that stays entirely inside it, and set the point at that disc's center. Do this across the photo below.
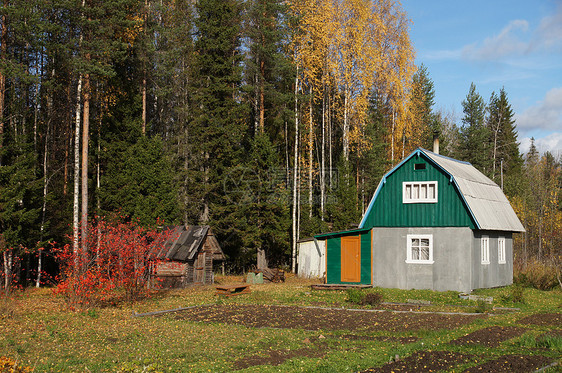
(311, 264)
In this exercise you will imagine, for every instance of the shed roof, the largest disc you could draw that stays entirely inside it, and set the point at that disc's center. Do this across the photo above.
(185, 242)
(342, 233)
(485, 201)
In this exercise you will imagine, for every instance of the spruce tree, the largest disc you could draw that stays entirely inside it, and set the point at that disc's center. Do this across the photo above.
(217, 126)
(421, 106)
(474, 140)
(506, 159)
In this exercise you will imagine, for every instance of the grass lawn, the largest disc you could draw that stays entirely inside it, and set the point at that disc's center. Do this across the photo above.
(38, 330)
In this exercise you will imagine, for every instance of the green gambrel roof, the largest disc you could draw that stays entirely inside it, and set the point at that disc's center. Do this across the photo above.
(483, 199)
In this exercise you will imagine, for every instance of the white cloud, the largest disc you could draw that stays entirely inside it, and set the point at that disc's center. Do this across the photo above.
(506, 43)
(516, 40)
(546, 115)
(549, 32)
(443, 55)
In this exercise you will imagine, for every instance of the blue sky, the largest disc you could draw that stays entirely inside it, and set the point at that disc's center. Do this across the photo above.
(513, 44)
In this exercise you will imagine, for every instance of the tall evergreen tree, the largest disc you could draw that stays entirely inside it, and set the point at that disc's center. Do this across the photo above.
(267, 67)
(474, 141)
(506, 158)
(424, 124)
(217, 126)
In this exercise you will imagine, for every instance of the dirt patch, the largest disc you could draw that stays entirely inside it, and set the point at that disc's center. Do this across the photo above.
(424, 361)
(512, 363)
(355, 337)
(277, 357)
(308, 318)
(543, 319)
(491, 336)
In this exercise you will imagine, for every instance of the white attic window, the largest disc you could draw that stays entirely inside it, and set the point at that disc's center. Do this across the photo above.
(419, 192)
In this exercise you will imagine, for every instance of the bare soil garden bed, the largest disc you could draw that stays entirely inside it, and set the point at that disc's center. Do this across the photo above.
(543, 319)
(512, 363)
(491, 336)
(424, 361)
(311, 318)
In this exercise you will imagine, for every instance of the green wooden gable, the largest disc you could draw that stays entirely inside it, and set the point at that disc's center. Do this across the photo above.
(388, 210)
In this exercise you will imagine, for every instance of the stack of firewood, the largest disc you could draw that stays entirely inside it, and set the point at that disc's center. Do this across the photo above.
(272, 274)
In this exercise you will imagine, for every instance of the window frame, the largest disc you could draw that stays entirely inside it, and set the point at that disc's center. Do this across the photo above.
(410, 238)
(485, 250)
(407, 197)
(501, 250)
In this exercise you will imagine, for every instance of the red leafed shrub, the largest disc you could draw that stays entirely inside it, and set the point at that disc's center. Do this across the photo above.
(114, 265)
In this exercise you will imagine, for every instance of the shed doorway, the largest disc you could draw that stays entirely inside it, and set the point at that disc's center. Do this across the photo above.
(351, 259)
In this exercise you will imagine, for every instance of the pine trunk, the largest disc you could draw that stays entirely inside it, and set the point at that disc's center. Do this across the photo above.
(3, 48)
(262, 96)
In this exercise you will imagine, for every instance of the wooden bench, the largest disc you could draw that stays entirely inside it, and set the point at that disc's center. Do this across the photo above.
(232, 289)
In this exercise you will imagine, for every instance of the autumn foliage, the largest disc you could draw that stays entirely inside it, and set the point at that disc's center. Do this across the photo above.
(114, 266)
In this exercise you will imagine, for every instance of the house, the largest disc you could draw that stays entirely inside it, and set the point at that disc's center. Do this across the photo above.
(433, 223)
(187, 257)
(311, 259)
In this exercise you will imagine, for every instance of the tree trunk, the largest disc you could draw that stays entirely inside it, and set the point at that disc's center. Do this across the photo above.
(345, 128)
(75, 205)
(295, 175)
(144, 102)
(43, 208)
(330, 154)
(262, 96)
(392, 140)
(323, 155)
(310, 152)
(85, 147)
(8, 259)
(3, 48)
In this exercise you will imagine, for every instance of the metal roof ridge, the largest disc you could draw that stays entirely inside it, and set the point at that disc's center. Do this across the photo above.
(444, 156)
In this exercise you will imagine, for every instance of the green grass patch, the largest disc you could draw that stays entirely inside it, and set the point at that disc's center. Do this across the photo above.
(41, 332)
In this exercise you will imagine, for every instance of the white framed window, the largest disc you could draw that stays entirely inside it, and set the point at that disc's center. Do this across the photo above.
(419, 192)
(420, 248)
(485, 250)
(501, 250)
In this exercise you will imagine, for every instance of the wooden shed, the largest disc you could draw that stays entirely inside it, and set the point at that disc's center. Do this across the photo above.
(348, 256)
(188, 257)
(311, 259)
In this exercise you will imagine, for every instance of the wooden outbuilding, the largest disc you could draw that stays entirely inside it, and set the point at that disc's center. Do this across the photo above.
(433, 223)
(188, 257)
(311, 259)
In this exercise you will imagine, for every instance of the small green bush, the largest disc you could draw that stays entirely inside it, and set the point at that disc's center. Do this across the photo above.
(482, 306)
(516, 295)
(355, 296)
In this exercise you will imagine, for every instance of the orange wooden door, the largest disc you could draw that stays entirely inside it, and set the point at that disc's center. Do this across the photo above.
(351, 259)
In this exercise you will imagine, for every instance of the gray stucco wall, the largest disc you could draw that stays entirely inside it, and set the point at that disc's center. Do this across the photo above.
(452, 254)
(493, 274)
